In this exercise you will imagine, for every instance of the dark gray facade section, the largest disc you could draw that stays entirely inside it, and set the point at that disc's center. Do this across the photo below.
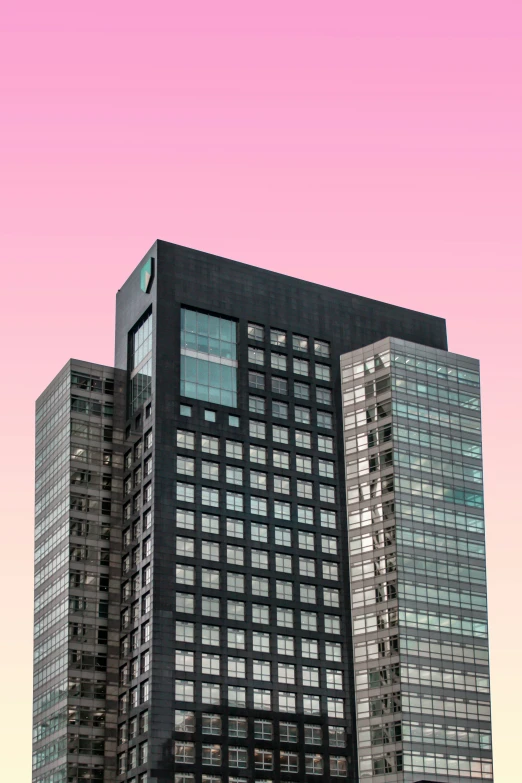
(184, 277)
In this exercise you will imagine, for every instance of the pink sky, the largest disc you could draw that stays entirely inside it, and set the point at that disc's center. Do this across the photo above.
(375, 147)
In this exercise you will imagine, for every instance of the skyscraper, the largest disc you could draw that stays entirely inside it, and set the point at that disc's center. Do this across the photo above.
(260, 541)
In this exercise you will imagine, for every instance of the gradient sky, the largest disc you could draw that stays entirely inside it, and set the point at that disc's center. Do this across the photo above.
(375, 147)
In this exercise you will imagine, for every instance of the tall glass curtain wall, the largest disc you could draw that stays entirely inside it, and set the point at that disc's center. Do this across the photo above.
(417, 563)
(208, 358)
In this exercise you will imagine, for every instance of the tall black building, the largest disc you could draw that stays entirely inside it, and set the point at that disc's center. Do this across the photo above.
(251, 567)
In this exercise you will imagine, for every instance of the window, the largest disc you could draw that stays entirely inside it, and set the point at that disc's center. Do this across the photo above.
(278, 337)
(301, 391)
(285, 645)
(279, 385)
(256, 355)
(236, 610)
(305, 489)
(260, 641)
(233, 421)
(332, 651)
(184, 575)
(330, 571)
(211, 415)
(235, 555)
(261, 614)
(210, 724)
(313, 763)
(281, 459)
(305, 515)
(210, 693)
(285, 618)
(286, 673)
(322, 372)
(237, 727)
(210, 550)
(258, 506)
(186, 440)
(260, 586)
(324, 396)
(185, 603)
(236, 667)
(263, 730)
(210, 635)
(284, 590)
(235, 528)
(326, 468)
(256, 405)
(258, 532)
(258, 480)
(210, 524)
(234, 501)
(235, 583)
(282, 485)
(184, 690)
(211, 755)
(209, 470)
(334, 679)
(306, 541)
(289, 762)
(184, 661)
(288, 732)
(209, 444)
(283, 563)
(208, 358)
(278, 361)
(185, 465)
(256, 332)
(332, 624)
(281, 509)
(326, 493)
(184, 720)
(185, 492)
(279, 434)
(263, 759)
(299, 343)
(236, 638)
(238, 757)
(262, 699)
(329, 545)
(309, 621)
(307, 566)
(210, 606)
(311, 676)
(331, 597)
(335, 708)
(303, 439)
(328, 518)
(324, 420)
(261, 670)
(185, 546)
(234, 475)
(280, 409)
(236, 696)
(256, 380)
(257, 429)
(310, 648)
(325, 443)
(209, 495)
(287, 702)
(303, 464)
(259, 558)
(302, 415)
(336, 736)
(258, 454)
(322, 349)
(338, 766)
(234, 449)
(185, 410)
(184, 631)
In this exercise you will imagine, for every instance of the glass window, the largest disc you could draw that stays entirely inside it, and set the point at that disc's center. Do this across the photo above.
(287, 702)
(302, 415)
(236, 667)
(303, 439)
(325, 443)
(184, 720)
(236, 638)
(210, 415)
(324, 396)
(237, 727)
(280, 409)
(284, 590)
(301, 366)
(258, 532)
(301, 391)
(260, 586)
(185, 410)
(256, 355)
(238, 757)
(299, 342)
(278, 337)
(235, 554)
(313, 763)
(313, 735)
(210, 578)
(186, 440)
(303, 464)
(236, 610)
(234, 501)
(278, 361)
(257, 429)
(234, 475)
(235, 583)
(256, 380)
(279, 385)
(331, 596)
(233, 421)
(326, 468)
(322, 372)
(282, 536)
(184, 752)
(282, 509)
(324, 420)
(263, 759)
(262, 699)
(279, 434)
(260, 614)
(234, 449)
(338, 766)
(210, 606)
(285, 618)
(309, 621)
(210, 663)
(322, 349)
(307, 566)
(258, 454)
(282, 485)
(260, 641)
(263, 730)
(259, 559)
(210, 724)
(308, 594)
(210, 470)
(328, 518)
(256, 405)
(261, 670)
(256, 332)
(286, 673)
(208, 358)
(184, 690)
(210, 693)
(210, 550)
(235, 528)
(210, 524)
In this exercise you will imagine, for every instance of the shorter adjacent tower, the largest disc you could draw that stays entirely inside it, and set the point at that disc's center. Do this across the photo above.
(79, 465)
(412, 437)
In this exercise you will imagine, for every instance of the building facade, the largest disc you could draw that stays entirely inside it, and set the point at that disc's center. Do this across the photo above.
(230, 614)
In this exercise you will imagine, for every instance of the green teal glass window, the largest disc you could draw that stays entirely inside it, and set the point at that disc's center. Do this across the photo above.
(208, 358)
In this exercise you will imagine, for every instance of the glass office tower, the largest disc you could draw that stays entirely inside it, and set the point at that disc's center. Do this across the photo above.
(417, 563)
(234, 651)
